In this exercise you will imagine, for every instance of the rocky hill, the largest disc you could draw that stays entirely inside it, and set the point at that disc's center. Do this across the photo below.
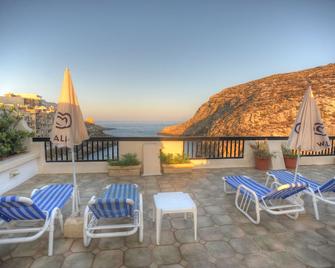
(263, 107)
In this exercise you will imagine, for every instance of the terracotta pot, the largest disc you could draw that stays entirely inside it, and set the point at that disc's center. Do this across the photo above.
(262, 164)
(290, 163)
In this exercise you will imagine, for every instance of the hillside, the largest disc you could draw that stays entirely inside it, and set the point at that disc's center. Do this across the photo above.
(263, 107)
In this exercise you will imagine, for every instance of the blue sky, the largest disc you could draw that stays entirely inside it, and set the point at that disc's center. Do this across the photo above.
(157, 60)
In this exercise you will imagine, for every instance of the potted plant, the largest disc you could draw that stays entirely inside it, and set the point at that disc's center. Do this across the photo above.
(175, 163)
(290, 157)
(262, 154)
(128, 165)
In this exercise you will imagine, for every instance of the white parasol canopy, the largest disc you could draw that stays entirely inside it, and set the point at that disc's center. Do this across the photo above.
(308, 132)
(69, 128)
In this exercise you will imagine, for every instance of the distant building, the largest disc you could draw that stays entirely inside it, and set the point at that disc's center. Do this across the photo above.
(90, 120)
(37, 112)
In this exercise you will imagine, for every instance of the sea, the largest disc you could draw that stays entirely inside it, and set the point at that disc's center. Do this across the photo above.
(134, 128)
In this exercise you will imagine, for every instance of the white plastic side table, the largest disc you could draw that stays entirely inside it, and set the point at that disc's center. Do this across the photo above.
(173, 202)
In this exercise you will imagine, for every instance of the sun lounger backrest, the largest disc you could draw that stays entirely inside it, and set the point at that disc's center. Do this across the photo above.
(120, 200)
(19, 208)
(285, 191)
(328, 186)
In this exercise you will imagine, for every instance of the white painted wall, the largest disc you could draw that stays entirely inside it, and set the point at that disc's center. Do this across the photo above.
(17, 169)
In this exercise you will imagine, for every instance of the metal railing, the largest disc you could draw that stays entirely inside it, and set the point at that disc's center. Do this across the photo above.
(94, 149)
(214, 148)
(104, 148)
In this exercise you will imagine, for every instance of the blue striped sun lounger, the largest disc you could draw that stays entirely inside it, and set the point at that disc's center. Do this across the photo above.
(315, 189)
(44, 205)
(118, 201)
(249, 191)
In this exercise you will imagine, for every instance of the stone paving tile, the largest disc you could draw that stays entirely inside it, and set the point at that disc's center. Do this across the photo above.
(226, 238)
(284, 259)
(78, 246)
(29, 249)
(185, 235)
(48, 262)
(310, 257)
(268, 243)
(112, 242)
(166, 255)
(166, 238)
(171, 266)
(220, 249)
(327, 251)
(259, 261)
(180, 223)
(138, 257)
(327, 232)
(108, 259)
(78, 260)
(231, 231)
(229, 263)
(195, 255)
(244, 245)
(60, 246)
(17, 263)
(222, 219)
(211, 233)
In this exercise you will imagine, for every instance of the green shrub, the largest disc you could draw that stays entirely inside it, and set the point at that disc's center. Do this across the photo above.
(174, 158)
(261, 150)
(11, 139)
(288, 152)
(125, 160)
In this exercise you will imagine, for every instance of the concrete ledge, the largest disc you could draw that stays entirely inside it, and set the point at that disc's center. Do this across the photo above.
(17, 160)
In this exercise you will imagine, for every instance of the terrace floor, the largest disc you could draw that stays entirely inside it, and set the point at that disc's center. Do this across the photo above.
(225, 237)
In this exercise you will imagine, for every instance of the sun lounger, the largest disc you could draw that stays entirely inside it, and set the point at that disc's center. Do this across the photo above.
(118, 201)
(318, 191)
(44, 205)
(277, 201)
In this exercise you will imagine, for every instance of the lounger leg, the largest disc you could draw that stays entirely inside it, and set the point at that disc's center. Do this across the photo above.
(195, 223)
(315, 205)
(158, 225)
(61, 222)
(241, 203)
(141, 219)
(51, 231)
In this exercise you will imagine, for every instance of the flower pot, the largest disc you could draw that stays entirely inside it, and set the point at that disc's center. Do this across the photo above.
(290, 162)
(124, 171)
(177, 168)
(262, 164)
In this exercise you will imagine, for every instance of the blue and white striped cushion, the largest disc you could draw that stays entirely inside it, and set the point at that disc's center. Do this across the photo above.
(116, 202)
(52, 196)
(260, 189)
(289, 190)
(285, 176)
(11, 208)
(44, 200)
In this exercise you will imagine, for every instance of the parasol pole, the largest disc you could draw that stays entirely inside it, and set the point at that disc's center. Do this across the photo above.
(296, 166)
(75, 187)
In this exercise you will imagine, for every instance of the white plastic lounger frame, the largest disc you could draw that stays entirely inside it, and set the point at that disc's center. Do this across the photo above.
(245, 196)
(92, 224)
(316, 195)
(35, 232)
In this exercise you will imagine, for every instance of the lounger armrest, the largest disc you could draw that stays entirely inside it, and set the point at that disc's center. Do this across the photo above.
(275, 184)
(247, 189)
